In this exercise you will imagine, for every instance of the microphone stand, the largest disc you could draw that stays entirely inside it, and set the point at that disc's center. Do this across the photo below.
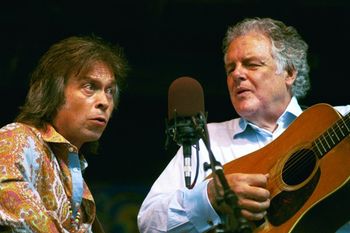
(239, 224)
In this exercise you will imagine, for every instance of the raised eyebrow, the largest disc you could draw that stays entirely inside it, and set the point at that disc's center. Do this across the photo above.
(85, 78)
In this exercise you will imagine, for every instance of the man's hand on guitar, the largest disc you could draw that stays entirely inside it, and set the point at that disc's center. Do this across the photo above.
(250, 189)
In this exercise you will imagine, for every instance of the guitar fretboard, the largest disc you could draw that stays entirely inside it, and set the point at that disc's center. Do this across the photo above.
(337, 132)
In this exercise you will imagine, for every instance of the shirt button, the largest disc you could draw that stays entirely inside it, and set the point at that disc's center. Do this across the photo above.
(210, 222)
(70, 149)
(75, 169)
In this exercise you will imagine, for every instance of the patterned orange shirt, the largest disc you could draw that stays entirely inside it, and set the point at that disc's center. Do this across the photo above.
(36, 183)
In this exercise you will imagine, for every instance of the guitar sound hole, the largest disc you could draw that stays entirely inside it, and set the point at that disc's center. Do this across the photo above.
(299, 167)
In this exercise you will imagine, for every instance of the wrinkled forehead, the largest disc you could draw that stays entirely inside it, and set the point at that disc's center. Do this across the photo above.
(250, 44)
(82, 71)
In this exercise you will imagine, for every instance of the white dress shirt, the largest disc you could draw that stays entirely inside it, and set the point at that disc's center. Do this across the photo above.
(171, 207)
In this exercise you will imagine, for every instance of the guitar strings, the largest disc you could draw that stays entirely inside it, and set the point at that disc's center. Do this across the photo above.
(306, 156)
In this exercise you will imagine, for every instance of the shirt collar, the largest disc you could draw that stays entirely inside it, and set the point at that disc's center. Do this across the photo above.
(292, 111)
(52, 136)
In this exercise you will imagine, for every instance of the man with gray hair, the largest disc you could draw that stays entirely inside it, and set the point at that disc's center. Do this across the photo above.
(267, 73)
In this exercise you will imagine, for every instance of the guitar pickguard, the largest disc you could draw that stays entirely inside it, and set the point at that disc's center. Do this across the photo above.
(284, 205)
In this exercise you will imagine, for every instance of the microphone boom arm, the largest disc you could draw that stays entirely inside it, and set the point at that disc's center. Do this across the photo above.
(241, 225)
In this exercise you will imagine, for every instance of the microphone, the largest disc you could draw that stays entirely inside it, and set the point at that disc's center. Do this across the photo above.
(186, 125)
(185, 117)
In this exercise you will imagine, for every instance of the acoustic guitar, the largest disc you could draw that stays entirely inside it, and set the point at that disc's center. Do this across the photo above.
(309, 167)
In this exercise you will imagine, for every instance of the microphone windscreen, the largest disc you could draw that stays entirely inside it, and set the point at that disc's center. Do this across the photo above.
(185, 98)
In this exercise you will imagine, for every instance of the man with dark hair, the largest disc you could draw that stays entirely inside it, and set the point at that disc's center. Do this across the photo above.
(72, 94)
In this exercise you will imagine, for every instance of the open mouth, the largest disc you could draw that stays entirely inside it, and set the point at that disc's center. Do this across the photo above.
(240, 91)
(100, 120)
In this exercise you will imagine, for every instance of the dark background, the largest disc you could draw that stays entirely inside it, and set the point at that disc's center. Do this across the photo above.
(163, 40)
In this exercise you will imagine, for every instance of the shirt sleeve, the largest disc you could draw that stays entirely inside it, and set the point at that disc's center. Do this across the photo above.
(21, 207)
(344, 110)
(171, 207)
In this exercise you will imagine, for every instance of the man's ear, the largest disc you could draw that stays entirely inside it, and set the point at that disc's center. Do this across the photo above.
(291, 75)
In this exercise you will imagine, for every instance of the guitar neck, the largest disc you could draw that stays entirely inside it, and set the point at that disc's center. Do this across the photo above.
(335, 134)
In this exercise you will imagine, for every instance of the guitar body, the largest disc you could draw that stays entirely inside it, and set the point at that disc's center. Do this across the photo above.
(310, 191)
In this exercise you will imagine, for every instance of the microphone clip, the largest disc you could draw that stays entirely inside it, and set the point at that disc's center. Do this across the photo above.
(185, 130)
